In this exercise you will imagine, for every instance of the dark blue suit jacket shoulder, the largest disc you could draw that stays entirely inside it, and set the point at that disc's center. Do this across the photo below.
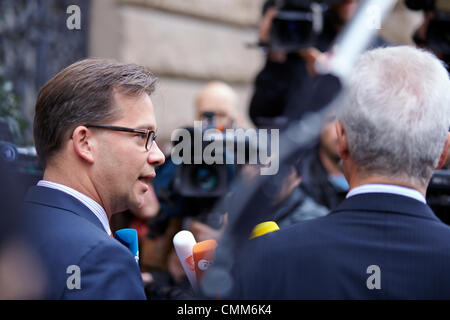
(329, 257)
(64, 232)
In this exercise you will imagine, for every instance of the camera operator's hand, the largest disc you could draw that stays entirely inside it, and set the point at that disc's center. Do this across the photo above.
(146, 277)
(175, 268)
(317, 62)
(266, 24)
(311, 55)
(202, 231)
(264, 35)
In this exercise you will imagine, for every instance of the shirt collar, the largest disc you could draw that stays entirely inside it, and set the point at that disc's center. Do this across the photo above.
(96, 208)
(387, 188)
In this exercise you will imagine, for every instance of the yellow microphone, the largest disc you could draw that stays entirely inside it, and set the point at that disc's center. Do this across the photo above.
(263, 228)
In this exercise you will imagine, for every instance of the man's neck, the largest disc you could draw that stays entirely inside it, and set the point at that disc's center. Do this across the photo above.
(356, 181)
(86, 188)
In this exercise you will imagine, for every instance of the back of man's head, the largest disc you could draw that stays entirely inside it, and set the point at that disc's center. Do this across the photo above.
(83, 93)
(396, 113)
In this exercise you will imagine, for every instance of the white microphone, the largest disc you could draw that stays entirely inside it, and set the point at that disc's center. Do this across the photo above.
(184, 242)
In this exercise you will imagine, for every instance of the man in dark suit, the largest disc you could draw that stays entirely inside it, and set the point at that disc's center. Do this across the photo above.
(94, 131)
(383, 241)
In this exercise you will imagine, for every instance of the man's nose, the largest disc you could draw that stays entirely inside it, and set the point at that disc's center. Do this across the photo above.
(155, 156)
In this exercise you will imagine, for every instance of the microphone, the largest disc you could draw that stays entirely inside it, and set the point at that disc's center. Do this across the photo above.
(263, 228)
(204, 253)
(184, 242)
(128, 237)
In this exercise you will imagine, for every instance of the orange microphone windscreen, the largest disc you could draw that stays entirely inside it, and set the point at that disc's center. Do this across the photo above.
(204, 253)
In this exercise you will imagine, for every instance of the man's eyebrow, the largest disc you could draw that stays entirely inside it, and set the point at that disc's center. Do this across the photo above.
(149, 127)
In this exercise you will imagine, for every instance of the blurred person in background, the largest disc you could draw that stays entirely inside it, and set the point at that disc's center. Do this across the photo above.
(220, 100)
(284, 87)
(216, 106)
(321, 170)
(21, 274)
(292, 204)
(383, 241)
(94, 131)
(433, 34)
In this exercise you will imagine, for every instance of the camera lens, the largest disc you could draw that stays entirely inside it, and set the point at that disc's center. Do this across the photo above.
(8, 152)
(205, 178)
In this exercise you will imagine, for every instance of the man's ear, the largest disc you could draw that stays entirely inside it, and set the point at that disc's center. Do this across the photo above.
(444, 155)
(82, 143)
(342, 141)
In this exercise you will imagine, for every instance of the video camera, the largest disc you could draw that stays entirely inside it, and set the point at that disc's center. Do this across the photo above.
(437, 36)
(191, 189)
(298, 23)
(23, 161)
(198, 179)
(191, 186)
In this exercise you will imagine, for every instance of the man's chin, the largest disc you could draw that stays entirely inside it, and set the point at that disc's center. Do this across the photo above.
(140, 200)
(140, 205)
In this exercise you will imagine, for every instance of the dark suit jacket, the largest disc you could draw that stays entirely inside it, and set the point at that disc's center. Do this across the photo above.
(329, 257)
(65, 232)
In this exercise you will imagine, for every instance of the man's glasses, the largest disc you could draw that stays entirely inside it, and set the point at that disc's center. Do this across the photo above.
(149, 135)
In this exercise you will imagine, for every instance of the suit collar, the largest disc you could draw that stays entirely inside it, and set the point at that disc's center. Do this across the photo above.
(61, 200)
(387, 202)
(387, 188)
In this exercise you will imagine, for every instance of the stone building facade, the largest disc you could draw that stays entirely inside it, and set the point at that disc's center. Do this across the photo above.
(187, 43)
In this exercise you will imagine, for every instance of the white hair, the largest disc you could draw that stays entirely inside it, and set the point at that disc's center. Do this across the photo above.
(396, 113)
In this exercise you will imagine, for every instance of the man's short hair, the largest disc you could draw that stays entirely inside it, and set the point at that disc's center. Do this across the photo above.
(83, 93)
(396, 113)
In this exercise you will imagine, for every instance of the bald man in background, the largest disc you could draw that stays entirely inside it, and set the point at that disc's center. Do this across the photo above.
(219, 98)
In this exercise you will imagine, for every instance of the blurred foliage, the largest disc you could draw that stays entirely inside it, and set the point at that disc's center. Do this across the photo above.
(35, 44)
(10, 111)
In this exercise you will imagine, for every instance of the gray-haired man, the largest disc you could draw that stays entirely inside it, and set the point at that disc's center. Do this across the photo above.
(383, 241)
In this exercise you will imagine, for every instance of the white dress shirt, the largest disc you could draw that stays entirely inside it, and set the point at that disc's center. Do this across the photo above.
(96, 209)
(387, 188)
